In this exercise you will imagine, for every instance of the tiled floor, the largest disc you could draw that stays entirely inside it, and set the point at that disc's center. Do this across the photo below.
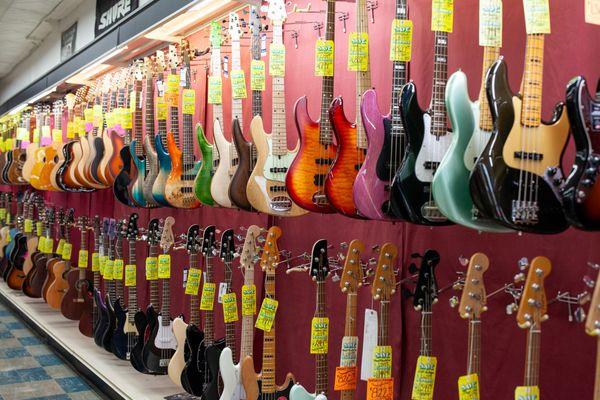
(30, 370)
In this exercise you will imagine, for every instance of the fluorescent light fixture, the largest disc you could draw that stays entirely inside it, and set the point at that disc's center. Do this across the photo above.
(42, 95)
(85, 75)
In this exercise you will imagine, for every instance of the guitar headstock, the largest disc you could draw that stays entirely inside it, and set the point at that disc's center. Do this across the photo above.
(208, 240)
(97, 227)
(533, 305)
(384, 283)
(255, 21)
(166, 237)
(187, 54)
(153, 232)
(70, 99)
(473, 298)
(149, 67)
(592, 322)
(216, 38)
(227, 251)
(173, 57)
(121, 229)
(234, 29)
(70, 217)
(270, 254)
(319, 264)
(132, 227)
(249, 251)
(138, 69)
(352, 275)
(82, 222)
(191, 242)
(276, 11)
(160, 62)
(426, 291)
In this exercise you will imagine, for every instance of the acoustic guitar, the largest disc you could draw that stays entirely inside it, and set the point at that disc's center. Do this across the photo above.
(51, 149)
(54, 255)
(34, 281)
(60, 285)
(19, 153)
(32, 147)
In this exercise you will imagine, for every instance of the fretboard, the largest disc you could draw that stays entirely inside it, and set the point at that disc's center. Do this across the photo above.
(247, 321)
(166, 303)
(82, 268)
(278, 130)
(230, 326)
(236, 104)
(119, 256)
(174, 117)
(256, 94)
(425, 333)
(531, 109)
(162, 123)
(138, 122)
(268, 359)
(215, 70)
(132, 290)
(194, 314)
(383, 338)
(350, 324)
(149, 108)
(209, 316)
(399, 76)
(188, 144)
(363, 78)
(440, 76)
(473, 360)
(532, 358)
(153, 252)
(321, 365)
(325, 132)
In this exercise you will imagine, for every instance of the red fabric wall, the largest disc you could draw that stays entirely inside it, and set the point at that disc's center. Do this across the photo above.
(567, 352)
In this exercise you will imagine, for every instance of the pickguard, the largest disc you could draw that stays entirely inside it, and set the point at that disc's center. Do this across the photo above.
(275, 161)
(478, 140)
(432, 151)
(165, 339)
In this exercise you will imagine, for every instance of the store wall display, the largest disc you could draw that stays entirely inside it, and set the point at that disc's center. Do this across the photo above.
(408, 167)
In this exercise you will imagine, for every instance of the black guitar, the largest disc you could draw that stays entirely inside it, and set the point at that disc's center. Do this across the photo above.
(102, 323)
(194, 375)
(580, 192)
(110, 288)
(213, 352)
(119, 338)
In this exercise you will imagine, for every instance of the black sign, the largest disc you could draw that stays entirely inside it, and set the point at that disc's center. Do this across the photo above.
(67, 42)
(110, 12)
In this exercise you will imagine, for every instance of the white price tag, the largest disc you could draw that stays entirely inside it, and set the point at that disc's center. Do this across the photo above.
(369, 343)
(222, 291)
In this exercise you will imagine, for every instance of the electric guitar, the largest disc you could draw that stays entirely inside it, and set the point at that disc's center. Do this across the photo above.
(531, 314)
(90, 318)
(102, 319)
(428, 141)
(110, 287)
(149, 163)
(350, 136)
(263, 386)
(161, 343)
(305, 179)
(580, 190)
(228, 157)
(472, 305)
(120, 133)
(592, 328)
(130, 329)
(230, 372)
(94, 126)
(319, 270)
(507, 183)
(118, 341)
(266, 189)
(179, 187)
(182, 354)
(472, 127)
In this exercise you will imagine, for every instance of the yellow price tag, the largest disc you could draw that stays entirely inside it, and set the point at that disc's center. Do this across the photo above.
(215, 90)
(172, 91)
(424, 378)
(257, 75)
(88, 115)
(28, 225)
(319, 335)
(189, 101)
(490, 23)
(468, 387)
(22, 134)
(442, 15)
(36, 135)
(207, 300)
(130, 275)
(118, 269)
(2, 213)
(164, 266)
(57, 136)
(193, 281)
(527, 393)
(401, 40)
(70, 130)
(59, 248)
(592, 12)
(102, 264)
(277, 60)
(382, 362)
(109, 269)
(41, 246)
(97, 115)
(8, 218)
(358, 51)
(537, 16)
(324, 55)
(151, 268)
(266, 315)
(67, 251)
(248, 300)
(95, 262)
(126, 119)
(230, 308)
(161, 109)
(9, 143)
(39, 226)
(238, 84)
(82, 260)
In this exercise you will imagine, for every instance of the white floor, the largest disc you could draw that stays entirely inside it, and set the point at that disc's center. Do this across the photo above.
(118, 374)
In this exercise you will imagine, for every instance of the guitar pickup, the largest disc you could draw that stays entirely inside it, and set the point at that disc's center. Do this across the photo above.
(276, 189)
(524, 155)
(323, 161)
(319, 179)
(277, 170)
(431, 165)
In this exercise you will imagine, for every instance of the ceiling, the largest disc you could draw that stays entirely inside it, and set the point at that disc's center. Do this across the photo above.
(24, 24)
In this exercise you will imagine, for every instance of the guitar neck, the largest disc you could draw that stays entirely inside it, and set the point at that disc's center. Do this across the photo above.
(325, 132)
(425, 332)
(532, 358)
(132, 290)
(490, 55)
(399, 77)
(440, 77)
(188, 142)
(138, 121)
(209, 316)
(531, 109)
(256, 94)
(383, 338)
(363, 78)
(230, 326)
(268, 359)
(321, 364)
(82, 268)
(153, 252)
(166, 303)
(194, 307)
(473, 360)
(174, 118)
(161, 121)
(247, 321)
(350, 324)
(236, 104)
(215, 62)
(278, 130)
(149, 107)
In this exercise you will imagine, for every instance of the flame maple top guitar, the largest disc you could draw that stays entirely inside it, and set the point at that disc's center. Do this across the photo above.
(531, 314)
(305, 180)
(580, 191)
(472, 128)
(428, 140)
(266, 189)
(592, 328)
(179, 187)
(507, 183)
(350, 136)
(386, 142)
(228, 156)
(263, 386)
(319, 270)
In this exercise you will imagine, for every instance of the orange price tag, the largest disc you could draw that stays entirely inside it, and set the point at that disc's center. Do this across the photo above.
(345, 378)
(380, 389)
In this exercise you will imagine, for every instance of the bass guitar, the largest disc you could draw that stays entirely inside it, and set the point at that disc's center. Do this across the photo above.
(102, 320)
(592, 328)
(110, 289)
(129, 329)
(118, 341)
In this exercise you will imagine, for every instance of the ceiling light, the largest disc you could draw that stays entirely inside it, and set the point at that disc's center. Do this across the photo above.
(42, 95)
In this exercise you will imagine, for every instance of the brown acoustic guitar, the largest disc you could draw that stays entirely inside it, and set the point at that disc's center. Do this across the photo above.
(60, 285)
(13, 273)
(29, 225)
(36, 276)
(53, 257)
(19, 154)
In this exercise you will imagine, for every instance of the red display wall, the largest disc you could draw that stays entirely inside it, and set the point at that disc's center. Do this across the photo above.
(567, 359)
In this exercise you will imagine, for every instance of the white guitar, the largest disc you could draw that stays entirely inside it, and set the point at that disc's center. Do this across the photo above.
(230, 372)
(228, 157)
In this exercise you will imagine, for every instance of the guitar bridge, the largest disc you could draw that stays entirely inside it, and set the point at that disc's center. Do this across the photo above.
(432, 213)
(164, 362)
(525, 212)
(320, 199)
(280, 204)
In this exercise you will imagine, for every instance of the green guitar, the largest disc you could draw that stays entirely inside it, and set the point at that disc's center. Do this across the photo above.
(202, 181)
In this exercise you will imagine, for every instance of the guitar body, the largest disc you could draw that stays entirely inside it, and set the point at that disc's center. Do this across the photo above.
(3, 162)
(193, 374)
(253, 385)
(135, 357)
(350, 157)
(179, 187)
(177, 362)
(107, 335)
(15, 275)
(119, 337)
(231, 376)
(306, 175)
(116, 160)
(15, 170)
(494, 182)
(61, 156)
(212, 355)
(450, 184)
(219, 185)
(239, 181)
(30, 253)
(159, 348)
(34, 281)
(70, 169)
(371, 191)
(72, 306)
(299, 393)
(89, 168)
(164, 162)
(103, 318)
(266, 189)
(100, 150)
(412, 198)
(59, 286)
(151, 168)
(50, 277)
(138, 171)
(86, 321)
(30, 160)
(580, 192)
(103, 171)
(124, 178)
(203, 179)
(50, 160)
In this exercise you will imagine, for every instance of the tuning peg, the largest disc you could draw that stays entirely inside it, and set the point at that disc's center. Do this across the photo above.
(589, 282)
(453, 301)
(335, 277)
(593, 265)
(343, 245)
(579, 314)
(520, 277)
(341, 256)
(511, 308)
(261, 239)
(458, 285)
(463, 260)
(523, 263)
